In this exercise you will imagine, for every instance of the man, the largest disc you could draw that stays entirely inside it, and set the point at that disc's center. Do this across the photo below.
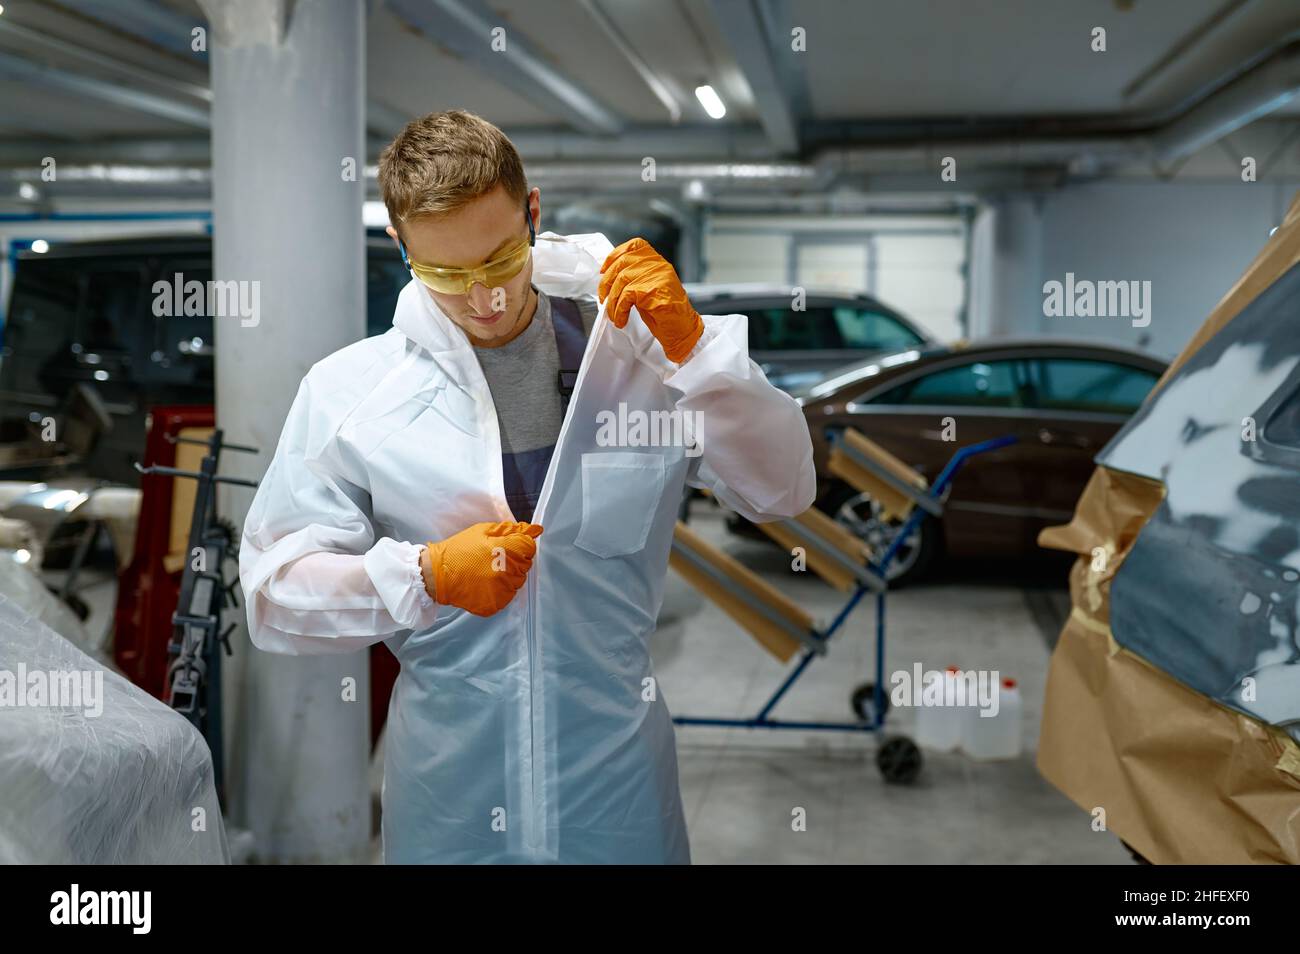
(526, 724)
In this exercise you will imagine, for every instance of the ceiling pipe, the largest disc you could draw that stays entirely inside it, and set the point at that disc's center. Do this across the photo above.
(643, 69)
(1194, 38)
(91, 87)
(554, 159)
(468, 28)
(155, 23)
(151, 21)
(1257, 92)
(170, 85)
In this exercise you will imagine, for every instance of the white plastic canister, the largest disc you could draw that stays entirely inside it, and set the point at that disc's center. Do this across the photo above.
(998, 736)
(939, 728)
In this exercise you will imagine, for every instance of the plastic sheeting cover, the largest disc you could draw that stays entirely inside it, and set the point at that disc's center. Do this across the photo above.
(21, 583)
(111, 776)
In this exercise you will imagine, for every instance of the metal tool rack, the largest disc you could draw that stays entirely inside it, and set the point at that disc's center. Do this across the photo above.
(194, 674)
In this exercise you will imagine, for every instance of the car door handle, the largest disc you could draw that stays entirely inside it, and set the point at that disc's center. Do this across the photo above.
(1060, 438)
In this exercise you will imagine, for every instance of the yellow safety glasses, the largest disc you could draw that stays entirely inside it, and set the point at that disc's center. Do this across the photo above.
(493, 274)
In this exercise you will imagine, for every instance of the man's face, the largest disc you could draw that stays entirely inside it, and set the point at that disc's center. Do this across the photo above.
(467, 238)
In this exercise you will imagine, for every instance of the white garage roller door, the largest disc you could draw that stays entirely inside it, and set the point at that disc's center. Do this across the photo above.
(913, 263)
(832, 265)
(923, 277)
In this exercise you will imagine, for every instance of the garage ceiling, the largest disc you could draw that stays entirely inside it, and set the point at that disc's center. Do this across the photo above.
(112, 73)
(946, 58)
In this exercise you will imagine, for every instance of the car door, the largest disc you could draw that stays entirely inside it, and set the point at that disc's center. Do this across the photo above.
(1080, 403)
(926, 418)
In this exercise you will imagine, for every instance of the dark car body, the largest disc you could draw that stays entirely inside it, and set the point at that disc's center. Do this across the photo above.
(81, 315)
(796, 346)
(1063, 401)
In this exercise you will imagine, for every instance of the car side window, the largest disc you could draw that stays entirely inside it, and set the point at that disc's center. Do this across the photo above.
(784, 329)
(1081, 384)
(873, 330)
(976, 384)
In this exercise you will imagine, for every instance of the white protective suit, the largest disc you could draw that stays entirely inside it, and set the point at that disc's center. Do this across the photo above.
(537, 734)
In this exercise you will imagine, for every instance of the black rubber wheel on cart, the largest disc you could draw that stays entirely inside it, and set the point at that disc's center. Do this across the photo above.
(863, 701)
(899, 760)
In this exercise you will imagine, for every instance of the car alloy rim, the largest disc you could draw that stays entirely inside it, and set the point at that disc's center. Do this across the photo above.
(862, 516)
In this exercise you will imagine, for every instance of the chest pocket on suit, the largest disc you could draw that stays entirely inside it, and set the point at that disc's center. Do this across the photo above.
(621, 491)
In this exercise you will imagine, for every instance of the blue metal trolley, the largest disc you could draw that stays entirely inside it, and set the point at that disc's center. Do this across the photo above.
(898, 757)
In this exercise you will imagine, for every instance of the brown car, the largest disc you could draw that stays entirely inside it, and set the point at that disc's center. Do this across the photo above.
(1063, 400)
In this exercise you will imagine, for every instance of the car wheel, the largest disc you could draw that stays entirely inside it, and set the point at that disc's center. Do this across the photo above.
(861, 514)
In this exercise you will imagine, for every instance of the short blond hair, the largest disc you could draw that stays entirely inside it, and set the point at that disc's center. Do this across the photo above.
(442, 161)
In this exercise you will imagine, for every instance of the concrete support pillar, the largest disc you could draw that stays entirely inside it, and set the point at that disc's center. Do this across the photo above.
(1006, 268)
(690, 251)
(288, 82)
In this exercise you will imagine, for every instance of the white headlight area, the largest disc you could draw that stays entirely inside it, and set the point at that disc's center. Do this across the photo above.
(40, 246)
(64, 500)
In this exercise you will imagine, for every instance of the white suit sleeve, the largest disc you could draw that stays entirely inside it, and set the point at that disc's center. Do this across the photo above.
(757, 455)
(314, 577)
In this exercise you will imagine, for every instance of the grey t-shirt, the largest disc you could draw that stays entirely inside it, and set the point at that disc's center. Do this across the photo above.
(523, 377)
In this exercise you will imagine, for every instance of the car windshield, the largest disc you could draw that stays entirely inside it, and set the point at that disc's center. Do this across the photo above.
(75, 319)
(71, 321)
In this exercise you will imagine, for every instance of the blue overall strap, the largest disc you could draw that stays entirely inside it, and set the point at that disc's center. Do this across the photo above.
(570, 341)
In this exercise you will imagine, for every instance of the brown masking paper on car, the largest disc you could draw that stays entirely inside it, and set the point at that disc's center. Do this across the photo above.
(1179, 777)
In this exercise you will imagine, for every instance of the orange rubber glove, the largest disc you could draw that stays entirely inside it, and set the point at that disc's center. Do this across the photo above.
(635, 274)
(480, 568)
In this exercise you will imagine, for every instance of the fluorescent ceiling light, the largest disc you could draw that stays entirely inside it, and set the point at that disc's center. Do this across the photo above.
(711, 101)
